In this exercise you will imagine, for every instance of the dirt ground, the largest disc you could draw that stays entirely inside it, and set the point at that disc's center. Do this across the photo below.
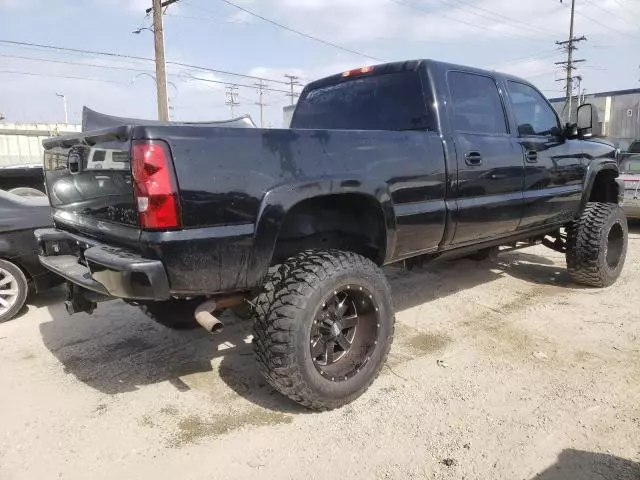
(500, 370)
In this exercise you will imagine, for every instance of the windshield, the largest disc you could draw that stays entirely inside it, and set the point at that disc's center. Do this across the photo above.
(630, 166)
(392, 101)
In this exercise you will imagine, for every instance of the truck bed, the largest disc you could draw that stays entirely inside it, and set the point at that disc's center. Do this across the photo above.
(234, 187)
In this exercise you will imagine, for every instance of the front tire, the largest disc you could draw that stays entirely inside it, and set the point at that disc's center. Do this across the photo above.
(324, 326)
(13, 290)
(597, 245)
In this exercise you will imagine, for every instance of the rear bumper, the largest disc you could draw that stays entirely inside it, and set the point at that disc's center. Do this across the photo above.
(103, 269)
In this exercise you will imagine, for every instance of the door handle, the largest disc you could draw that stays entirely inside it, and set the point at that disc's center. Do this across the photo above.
(473, 159)
(532, 156)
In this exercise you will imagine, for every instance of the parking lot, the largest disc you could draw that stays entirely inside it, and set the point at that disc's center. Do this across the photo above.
(502, 370)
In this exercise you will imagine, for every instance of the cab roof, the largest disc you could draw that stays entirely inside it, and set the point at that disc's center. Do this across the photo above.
(407, 65)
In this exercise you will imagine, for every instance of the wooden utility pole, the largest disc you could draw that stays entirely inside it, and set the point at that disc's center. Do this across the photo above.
(569, 64)
(293, 81)
(161, 70)
(232, 98)
(261, 91)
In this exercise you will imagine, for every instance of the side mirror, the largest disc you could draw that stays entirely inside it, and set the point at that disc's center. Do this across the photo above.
(587, 120)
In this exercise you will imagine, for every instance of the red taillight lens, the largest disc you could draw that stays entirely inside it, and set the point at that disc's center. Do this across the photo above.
(358, 71)
(154, 185)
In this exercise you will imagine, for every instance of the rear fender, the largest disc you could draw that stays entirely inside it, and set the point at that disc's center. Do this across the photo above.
(277, 203)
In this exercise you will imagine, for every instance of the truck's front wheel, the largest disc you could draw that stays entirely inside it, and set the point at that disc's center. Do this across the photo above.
(324, 326)
(597, 245)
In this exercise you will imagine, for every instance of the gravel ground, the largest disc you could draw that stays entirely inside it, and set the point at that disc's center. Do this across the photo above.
(500, 370)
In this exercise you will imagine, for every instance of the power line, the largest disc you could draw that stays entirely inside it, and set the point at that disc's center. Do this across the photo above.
(127, 69)
(597, 22)
(459, 20)
(208, 19)
(542, 55)
(145, 59)
(289, 29)
(121, 68)
(34, 74)
(617, 2)
(609, 12)
(237, 84)
(79, 64)
(495, 15)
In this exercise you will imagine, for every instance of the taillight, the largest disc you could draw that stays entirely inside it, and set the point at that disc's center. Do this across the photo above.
(154, 185)
(358, 71)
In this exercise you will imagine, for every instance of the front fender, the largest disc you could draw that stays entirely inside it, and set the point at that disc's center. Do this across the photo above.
(277, 202)
(596, 167)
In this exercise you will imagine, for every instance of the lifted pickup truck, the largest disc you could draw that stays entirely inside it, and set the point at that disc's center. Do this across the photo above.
(382, 164)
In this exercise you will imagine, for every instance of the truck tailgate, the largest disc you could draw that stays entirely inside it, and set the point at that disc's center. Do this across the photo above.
(89, 182)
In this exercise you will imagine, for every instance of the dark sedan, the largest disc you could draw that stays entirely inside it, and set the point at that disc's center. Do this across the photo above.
(23, 180)
(20, 270)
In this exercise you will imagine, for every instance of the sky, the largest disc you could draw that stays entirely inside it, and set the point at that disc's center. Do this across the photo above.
(515, 36)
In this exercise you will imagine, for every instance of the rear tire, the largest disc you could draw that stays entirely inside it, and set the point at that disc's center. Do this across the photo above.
(14, 288)
(597, 245)
(323, 328)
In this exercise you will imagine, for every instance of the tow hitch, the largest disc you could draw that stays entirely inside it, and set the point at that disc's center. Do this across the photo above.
(81, 300)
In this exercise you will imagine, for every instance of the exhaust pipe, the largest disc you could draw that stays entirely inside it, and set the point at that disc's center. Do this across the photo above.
(204, 316)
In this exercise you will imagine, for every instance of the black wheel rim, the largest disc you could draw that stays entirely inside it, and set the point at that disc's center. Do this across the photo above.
(344, 333)
(615, 245)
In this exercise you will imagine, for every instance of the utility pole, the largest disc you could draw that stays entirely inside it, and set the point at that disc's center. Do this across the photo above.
(64, 104)
(293, 81)
(161, 67)
(261, 92)
(569, 64)
(232, 98)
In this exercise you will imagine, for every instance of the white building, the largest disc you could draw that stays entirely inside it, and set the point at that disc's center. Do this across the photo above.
(21, 143)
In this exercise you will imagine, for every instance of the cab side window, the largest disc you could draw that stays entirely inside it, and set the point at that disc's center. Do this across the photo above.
(534, 115)
(477, 107)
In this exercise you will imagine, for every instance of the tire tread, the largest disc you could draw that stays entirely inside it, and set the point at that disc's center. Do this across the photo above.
(279, 309)
(584, 237)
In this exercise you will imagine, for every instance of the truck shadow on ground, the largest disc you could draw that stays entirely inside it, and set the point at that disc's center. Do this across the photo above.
(118, 349)
(634, 226)
(580, 465)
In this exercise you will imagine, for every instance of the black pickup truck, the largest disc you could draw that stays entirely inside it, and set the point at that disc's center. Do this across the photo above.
(382, 164)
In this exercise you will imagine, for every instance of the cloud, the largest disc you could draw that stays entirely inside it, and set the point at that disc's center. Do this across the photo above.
(450, 20)
(138, 6)
(16, 4)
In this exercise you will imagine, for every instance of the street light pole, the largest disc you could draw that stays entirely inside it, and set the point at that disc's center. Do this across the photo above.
(64, 103)
(161, 72)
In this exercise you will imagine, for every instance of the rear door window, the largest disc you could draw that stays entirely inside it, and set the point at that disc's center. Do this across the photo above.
(392, 101)
(477, 107)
